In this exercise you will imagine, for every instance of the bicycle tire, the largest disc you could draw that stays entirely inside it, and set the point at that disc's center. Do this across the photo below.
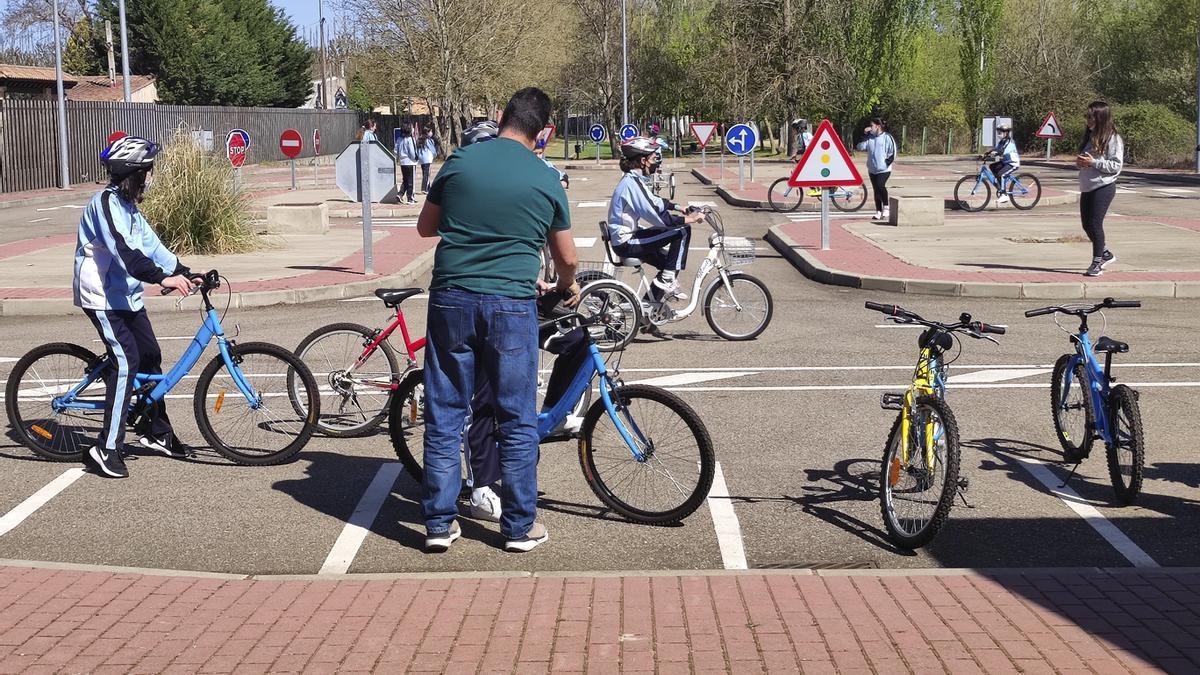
(1123, 404)
(404, 418)
(737, 279)
(851, 205)
(888, 475)
(1031, 183)
(780, 205)
(970, 181)
(32, 432)
(1073, 451)
(705, 462)
(303, 428)
(332, 421)
(671, 187)
(622, 318)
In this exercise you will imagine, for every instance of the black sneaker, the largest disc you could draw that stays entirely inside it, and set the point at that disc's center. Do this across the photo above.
(170, 445)
(107, 463)
(1096, 269)
(1108, 259)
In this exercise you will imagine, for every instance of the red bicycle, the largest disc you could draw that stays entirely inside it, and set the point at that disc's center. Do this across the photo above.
(358, 368)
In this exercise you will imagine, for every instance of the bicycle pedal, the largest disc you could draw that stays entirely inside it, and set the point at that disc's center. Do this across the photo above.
(964, 483)
(891, 401)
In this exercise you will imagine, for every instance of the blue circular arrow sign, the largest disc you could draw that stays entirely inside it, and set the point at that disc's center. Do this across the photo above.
(597, 132)
(628, 131)
(741, 139)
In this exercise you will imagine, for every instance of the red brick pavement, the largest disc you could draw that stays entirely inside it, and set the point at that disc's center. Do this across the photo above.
(1067, 621)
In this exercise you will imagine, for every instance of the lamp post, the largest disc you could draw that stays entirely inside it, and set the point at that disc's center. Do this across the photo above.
(64, 175)
(124, 49)
(624, 68)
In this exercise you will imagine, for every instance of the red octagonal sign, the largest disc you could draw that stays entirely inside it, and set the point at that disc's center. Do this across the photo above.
(235, 147)
(290, 143)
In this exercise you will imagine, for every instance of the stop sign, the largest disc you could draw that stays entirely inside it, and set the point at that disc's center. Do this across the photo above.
(290, 143)
(317, 141)
(114, 137)
(235, 148)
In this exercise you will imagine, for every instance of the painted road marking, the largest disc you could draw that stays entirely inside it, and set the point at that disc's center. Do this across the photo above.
(1103, 526)
(1176, 191)
(996, 375)
(38, 499)
(905, 385)
(1126, 191)
(725, 522)
(356, 529)
(693, 378)
(585, 242)
(806, 218)
(8, 359)
(592, 205)
(38, 220)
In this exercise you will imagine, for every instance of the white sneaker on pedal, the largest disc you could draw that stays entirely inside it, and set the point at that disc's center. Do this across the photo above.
(670, 290)
(485, 505)
(1002, 199)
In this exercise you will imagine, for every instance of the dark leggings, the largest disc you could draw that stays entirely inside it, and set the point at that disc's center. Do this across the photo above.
(406, 184)
(1093, 206)
(879, 187)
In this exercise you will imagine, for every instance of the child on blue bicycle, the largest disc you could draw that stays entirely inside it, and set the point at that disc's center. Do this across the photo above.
(118, 251)
(1007, 159)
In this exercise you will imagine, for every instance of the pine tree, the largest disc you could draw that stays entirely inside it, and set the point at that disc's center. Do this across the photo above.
(84, 53)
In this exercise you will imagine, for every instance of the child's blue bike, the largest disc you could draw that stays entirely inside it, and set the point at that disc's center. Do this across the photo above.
(644, 452)
(1085, 405)
(974, 193)
(244, 410)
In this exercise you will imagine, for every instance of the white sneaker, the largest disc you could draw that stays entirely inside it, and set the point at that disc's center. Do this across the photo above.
(670, 290)
(1002, 199)
(485, 505)
(878, 215)
(537, 535)
(886, 215)
(440, 543)
(570, 425)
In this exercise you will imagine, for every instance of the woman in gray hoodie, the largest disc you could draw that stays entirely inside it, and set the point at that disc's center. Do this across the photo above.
(1099, 161)
(881, 152)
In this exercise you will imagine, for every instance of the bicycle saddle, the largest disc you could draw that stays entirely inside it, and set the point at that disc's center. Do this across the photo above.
(392, 297)
(1107, 344)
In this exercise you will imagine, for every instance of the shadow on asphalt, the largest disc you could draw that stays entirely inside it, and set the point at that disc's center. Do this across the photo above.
(1021, 268)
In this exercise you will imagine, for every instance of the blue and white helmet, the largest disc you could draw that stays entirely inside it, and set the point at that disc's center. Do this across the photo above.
(479, 132)
(128, 155)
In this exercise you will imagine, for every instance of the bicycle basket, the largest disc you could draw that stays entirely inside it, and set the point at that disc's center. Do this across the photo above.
(588, 271)
(739, 251)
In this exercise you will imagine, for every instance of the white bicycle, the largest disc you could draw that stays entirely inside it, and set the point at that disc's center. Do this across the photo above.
(737, 305)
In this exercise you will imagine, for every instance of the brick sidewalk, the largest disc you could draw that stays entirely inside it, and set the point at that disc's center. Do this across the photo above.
(871, 621)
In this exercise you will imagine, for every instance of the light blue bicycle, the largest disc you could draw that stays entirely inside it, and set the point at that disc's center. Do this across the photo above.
(974, 193)
(1085, 405)
(244, 409)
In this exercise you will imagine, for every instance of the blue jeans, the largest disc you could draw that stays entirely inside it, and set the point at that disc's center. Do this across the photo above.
(466, 331)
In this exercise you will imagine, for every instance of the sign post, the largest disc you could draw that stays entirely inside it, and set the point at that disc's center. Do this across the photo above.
(825, 164)
(237, 143)
(597, 133)
(316, 153)
(1049, 130)
(291, 145)
(702, 131)
(741, 139)
(364, 186)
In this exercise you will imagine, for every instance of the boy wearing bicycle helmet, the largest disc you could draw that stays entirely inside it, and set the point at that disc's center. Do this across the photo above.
(117, 251)
(1007, 159)
(663, 241)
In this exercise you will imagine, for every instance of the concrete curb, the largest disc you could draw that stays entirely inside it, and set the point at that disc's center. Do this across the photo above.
(809, 266)
(46, 199)
(285, 296)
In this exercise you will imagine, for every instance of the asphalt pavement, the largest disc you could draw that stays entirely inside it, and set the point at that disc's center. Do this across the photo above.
(795, 420)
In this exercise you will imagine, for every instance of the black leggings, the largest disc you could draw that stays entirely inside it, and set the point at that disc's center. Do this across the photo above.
(1093, 206)
(879, 187)
(406, 184)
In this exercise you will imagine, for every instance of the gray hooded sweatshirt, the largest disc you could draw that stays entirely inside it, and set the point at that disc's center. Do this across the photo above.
(1105, 169)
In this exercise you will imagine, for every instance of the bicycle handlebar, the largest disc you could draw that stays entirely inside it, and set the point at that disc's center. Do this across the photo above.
(981, 327)
(208, 281)
(975, 329)
(1081, 310)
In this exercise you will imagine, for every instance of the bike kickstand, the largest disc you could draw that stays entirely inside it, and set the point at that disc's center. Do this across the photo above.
(963, 485)
(1070, 475)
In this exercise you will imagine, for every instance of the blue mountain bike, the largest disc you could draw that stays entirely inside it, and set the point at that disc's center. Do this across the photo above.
(1085, 404)
(974, 193)
(644, 452)
(785, 198)
(55, 395)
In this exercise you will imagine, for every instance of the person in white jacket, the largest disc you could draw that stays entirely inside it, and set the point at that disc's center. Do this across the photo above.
(406, 157)
(426, 151)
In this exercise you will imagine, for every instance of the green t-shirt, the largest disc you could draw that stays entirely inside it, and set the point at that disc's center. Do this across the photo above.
(499, 201)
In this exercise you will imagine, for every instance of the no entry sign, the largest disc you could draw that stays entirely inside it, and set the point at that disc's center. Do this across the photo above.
(235, 147)
(290, 143)
(317, 141)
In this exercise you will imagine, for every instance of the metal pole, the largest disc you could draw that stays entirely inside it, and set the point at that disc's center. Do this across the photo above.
(324, 83)
(293, 174)
(124, 47)
(751, 165)
(741, 178)
(824, 219)
(703, 159)
(624, 68)
(924, 131)
(364, 188)
(1198, 101)
(597, 153)
(64, 175)
(1049, 141)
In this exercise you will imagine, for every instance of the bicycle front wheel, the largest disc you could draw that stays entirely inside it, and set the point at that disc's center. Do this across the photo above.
(267, 428)
(849, 198)
(744, 319)
(617, 310)
(972, 194)
(783, 198)
(1127, 453)
(1071, 410)
(47, 372)
(1025, 192)
(406, 424)
(354, 398)
(674, 472)
(917, 488)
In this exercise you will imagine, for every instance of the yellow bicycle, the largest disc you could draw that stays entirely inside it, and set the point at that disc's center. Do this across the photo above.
(919, 475)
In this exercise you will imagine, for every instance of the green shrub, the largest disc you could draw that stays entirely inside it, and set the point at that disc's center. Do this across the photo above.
(193, 204)
(1155, 135)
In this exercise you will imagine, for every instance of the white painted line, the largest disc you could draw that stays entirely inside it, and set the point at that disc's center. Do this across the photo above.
(49, 208)
(372, 298)
(692, 378)
(1126, 191)
(1103, 526)
(725, 522)
(38, 220)
(702, 203)
(592, 205)
(995, 375)
(901, 386)
(585, 242)
(1176, 191)
(356, 529)
(7, 359)
(1071, 192)
(38, 499)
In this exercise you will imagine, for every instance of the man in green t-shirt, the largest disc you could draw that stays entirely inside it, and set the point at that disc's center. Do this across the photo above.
(494, 205)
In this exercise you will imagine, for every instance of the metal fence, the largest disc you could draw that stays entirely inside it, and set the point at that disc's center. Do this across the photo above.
(29, 140)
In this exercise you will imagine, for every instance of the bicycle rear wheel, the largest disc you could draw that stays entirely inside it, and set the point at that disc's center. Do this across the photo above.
(351, 405)
(1127, 453)
(267, 429)
(38, 377)
(1025, 192)
(915, 496)
(1071, 410)
(848, 198)
(676, 470)
(783, 198)
(618, 310)
(406, 424)
(972, 194)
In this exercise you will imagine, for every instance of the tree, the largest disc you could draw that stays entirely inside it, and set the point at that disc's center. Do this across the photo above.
(979, 21)
(84, 53)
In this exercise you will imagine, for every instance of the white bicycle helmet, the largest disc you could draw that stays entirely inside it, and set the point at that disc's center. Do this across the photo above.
(1004, 126)
(129, 155)
(479, 132)
(638, 146)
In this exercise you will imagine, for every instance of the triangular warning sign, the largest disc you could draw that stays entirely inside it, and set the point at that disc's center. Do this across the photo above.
(1050, 128)
(703, 131)
(825, 163)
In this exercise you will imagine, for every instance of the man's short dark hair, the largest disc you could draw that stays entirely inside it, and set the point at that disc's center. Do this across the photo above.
(527, 112)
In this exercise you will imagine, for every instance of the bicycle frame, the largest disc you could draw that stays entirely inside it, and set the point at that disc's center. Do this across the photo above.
(411, 346)
(711, 262)
(210, 328)
(927, 380)
(986, 175)
(1097, 382)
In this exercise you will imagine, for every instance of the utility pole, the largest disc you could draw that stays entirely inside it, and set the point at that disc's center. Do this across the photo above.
(124, 50)
(1198, 100)
(108, 43)
(324, 83)
(624, 68)
(64, 175)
